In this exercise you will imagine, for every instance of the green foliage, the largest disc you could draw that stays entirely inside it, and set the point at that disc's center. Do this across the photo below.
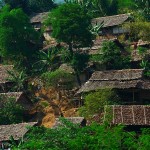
(95, 29)
(38, 6)
(93, 137)
(144, 6)
(70, 24)
(31, 6)
(95, 57)
(125, 5)
(94, 102)
(139, 30)
(142, 50)
(79, 61)
(47, 60)
(18, 79)
(146, 66)
(112, 56)
(65, 55)
(16, 34)
(57, 78)
(97, 8)
(10, 112)
(17, 4)
(144, 139)
(44, 104)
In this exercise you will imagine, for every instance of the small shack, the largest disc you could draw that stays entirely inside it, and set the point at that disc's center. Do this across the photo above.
(20, 98)
(37, 20)
(17, 131)
(131, 84)
(112, 24)
(138, 115)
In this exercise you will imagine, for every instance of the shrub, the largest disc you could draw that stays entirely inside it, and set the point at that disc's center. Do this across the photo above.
(95, 102)
(10, 112)
(93, 137)
(112, 56)
(57, 78)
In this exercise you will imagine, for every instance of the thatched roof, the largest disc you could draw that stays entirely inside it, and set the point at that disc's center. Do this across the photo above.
(53, 43)
(135, 56)
(38, 17)
(97, 45)
(3, 72)
(19, 97)
(143, 43)
(126, 74)
(130, 114)
(109, 21)
(15, 95)
(75, 120)
(15, 130)
(119, 79)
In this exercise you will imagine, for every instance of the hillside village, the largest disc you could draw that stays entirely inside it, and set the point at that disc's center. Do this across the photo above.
(54, 66)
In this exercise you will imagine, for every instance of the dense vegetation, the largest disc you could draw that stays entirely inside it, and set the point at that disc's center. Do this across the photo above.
(21, 44)
(93, 137)
(10, 112)
(101, 98)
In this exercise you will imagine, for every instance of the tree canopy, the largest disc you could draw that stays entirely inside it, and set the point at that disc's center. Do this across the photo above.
(112, 56)
(97, 8)
(16, 33)
(95, 102)
(71, 24)
(92, 137)
(38, 6)
(30, 6)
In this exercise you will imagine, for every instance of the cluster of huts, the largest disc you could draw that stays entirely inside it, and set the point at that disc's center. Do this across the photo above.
(16, 131)
(132, 85)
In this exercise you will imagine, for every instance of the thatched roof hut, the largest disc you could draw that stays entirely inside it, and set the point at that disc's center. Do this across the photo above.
(118, 79)
(37, 20)
(75, 120)
(110, 21)
(130, 114)
(15, 130)
(20, 98)
(135, 56)
(38, 17)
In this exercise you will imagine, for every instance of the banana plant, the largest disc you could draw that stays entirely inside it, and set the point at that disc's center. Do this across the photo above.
(96, 29)
(144, 64)
(47, 60)
(18, 79)
(16, 145)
